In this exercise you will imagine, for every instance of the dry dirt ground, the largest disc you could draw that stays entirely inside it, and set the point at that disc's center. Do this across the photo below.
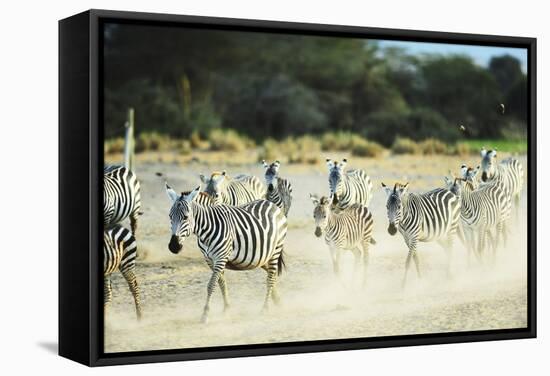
(315, 305)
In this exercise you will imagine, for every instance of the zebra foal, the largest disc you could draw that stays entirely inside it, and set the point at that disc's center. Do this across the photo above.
(349, 229)
(119, 253)
(348, 188)
(230, 237)
(121, 197)
(425, 217)
(279, 190)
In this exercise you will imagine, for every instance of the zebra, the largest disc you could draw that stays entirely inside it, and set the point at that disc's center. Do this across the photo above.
(425, 217)
(348, 229)
(231, 237)
(484, 207)
(279, 190)
(121, 197)
(239, 190)
(509, 172)
(120, 252)
(351, 187)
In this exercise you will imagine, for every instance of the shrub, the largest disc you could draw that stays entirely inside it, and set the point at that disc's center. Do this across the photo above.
(304, 149)
(364, 148)
(229, 140)
(405, 146)
(114, 145)
(339, 141)
(152, 141)
(183, 147)
(433, 146)
(464, 149)
(197, 142)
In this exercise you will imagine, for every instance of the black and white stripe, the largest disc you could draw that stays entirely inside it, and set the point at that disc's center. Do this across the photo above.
(119, 253)
(430, 216)
(121, 196)
(508, 172)
(349, 229)
(235, 191)
(231, 237)
(348, 188)
(279, 190)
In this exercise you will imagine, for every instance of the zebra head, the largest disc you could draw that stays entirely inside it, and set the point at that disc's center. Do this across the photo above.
(488, 164)
(214, 185)
(395, 204)
(181, 217)
(454, 184)
(469, 175)
(321, 213)
(271, 174)
(335, 181)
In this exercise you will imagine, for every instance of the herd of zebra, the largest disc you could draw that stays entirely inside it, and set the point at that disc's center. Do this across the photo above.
(241, 223)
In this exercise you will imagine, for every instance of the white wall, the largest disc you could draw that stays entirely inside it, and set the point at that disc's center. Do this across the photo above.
(28, 199)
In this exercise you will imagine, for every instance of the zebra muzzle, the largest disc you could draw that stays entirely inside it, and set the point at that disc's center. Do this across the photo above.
(392, 229)
(174, 246)
(318, 232)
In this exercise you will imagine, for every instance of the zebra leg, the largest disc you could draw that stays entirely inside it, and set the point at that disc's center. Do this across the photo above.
(447, 245)
(210, 289)
(133, 221)
(107, 292)
(223, 288)
(271, 281)
(357, 253)
(274, 292)
(130, 277)
(335, 254)
(365, 262)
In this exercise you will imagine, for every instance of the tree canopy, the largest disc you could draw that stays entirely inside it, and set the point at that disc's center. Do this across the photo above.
(271, 85)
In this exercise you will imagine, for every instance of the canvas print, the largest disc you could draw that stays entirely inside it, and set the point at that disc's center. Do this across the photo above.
(263, 187)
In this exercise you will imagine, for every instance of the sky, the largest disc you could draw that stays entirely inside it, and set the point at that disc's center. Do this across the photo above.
(480, 54)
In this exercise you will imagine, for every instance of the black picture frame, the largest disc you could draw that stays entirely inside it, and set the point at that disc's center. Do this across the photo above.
(80, 164)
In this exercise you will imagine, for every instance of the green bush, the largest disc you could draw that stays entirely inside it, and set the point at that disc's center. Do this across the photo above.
(405, 146)
(229, 140)
(431, 146)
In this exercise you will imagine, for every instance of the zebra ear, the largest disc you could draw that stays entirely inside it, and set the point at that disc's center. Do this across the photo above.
(448, 182)
(264, 163)
(403, 189)
(314, 199)
(191, 196)
(330, 164)
(387, 189)
(493, 153)
(343, 164)
(172, 195)
(204, 179)
(483, 152)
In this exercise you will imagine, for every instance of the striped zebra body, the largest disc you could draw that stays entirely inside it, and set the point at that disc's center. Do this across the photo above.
(509, 173)
(349, 229)
(485, 207)
(239, 190)
(240, 238)
(119, 253)
(121, 197)
(350, 187)
(431, 216)
(279, 190)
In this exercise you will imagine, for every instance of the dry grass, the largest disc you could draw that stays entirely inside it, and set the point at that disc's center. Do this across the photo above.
(405, 146)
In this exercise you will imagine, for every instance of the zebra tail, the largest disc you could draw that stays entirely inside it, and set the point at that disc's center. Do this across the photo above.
(372, 241)
(280, 264)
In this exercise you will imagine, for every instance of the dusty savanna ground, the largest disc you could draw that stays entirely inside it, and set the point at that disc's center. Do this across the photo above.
(315, 304)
